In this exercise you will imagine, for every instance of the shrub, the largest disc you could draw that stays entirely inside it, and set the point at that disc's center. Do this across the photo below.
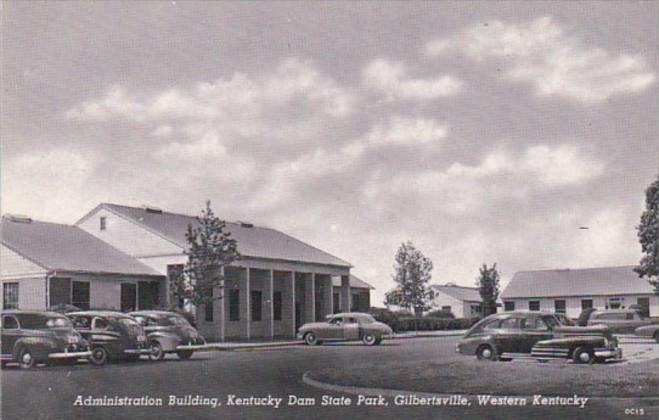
(386, 316)
(440, 314)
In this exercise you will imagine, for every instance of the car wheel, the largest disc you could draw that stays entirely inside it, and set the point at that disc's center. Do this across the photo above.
(310, 339)
(369, 339)
(99, 356)
(25, 359)
(184, 354)
(583, 355)
(486, 352)
(157, 353)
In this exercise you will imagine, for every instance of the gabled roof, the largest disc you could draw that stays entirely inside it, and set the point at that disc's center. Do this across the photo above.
(468, 294)
(67, 248)
(253, 241)
(355, 282)
(576, 282)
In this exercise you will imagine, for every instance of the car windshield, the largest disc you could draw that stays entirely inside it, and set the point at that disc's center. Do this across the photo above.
(178, 320)
(366, 319)
(550, 321)
(59, 322)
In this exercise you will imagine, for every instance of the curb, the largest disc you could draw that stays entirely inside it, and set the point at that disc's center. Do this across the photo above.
(407, 337)
(256, 346)
(374, 392)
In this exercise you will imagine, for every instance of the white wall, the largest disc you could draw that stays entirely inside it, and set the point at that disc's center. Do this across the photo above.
(31, 292)
(13, 265)
(458, 308)
(573, 303)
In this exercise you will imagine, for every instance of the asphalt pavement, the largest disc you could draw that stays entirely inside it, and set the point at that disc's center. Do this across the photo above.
(244, 377)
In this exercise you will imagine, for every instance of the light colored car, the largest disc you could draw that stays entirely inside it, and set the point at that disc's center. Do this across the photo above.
(349, 326)
(169, 332)
(619, 321)
(648, 331)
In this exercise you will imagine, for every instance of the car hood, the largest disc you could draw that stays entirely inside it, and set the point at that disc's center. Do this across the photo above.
(601, 330)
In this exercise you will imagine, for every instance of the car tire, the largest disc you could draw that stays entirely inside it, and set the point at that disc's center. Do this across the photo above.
(369, 339)
(25, 359)
(583, 355)
(310, 339)
(184, 354)
(486, 352)
(99, 356)
(157, 352)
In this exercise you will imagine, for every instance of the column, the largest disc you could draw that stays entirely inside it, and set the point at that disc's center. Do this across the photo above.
(345, 293)
(324, 283)
(310, 298)
(293, 329)
(222, 295)
(269, 315)
(248, 303)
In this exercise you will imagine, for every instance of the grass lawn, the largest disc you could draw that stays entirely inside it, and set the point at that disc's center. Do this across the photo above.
(470, 376)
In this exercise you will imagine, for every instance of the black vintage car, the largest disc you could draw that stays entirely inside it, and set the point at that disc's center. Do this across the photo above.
(31, 337)
(169, 332)
(537, 335)
(112, 335)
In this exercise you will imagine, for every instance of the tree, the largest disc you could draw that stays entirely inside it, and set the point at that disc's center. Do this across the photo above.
(488, 287)
(412, 272)
(648, 235)
(210, 249)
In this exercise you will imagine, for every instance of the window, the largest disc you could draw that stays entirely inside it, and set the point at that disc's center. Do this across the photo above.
(539, 324)
(508, 306)
(100, 324)
(475, 310)
(256, 305)
(81, 323)
(336, 321)
(534, 305)
(511, 323)
(9, 323)
(10, 296)
(80, 294)
(276, 306)
(559, 306)
(234, 305)
(586, 304)
(492, 324)
(208, 311)
(103, 222)
(355, 304)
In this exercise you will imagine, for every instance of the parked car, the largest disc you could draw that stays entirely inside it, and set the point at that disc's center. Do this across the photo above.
(169, 332)
(350, 326)
(112, 336)
(31, 337)
(648, 331)
(619, 321)
(564, 320)
(537, 335)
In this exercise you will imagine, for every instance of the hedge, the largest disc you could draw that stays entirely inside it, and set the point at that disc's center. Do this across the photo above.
(401, 322)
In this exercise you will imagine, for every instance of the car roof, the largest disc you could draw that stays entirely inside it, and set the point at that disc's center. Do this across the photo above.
(100, 313)
(350, 314)
(19, 312)
(156, 313)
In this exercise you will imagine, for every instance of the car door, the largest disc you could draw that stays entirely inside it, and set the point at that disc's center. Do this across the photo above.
(534, 330)
(509, 335)
(333, 330)
(10, 334)
(350, 329)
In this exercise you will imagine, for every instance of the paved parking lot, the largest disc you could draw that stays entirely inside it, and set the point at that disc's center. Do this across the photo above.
(50, 392)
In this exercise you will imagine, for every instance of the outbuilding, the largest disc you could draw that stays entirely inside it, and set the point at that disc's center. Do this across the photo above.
(461, 301)
(569, 291)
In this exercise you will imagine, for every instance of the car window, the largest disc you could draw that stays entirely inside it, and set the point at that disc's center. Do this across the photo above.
(539, 324)
(101, 324)
(336, 321)
(492, 324)
(9, 323)
(351, 321)
(82, 322)
(33, 321)
(511, 323)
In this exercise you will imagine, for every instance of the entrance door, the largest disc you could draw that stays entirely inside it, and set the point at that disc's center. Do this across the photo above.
(128, 297)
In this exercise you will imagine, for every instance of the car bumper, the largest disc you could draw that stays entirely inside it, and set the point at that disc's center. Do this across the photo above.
(70, 355)
(193, 347)
(606, 353)
(137, 351)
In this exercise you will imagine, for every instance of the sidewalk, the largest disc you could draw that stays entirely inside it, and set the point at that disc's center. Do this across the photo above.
(273, 344)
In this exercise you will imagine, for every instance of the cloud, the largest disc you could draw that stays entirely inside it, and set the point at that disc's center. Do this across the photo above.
(463, 189)
(49, 184)
(391, 78)
(224, 99)
(555, 61)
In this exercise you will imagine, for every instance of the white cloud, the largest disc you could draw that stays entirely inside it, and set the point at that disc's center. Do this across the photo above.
(553, 60)
(392, 79)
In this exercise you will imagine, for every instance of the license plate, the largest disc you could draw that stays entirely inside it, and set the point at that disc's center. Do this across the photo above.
(141, 338)
(73, 339)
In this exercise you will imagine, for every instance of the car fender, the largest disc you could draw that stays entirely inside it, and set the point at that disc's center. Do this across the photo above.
(40, 347)
(573, 342)
(646, 330)
(168, 341)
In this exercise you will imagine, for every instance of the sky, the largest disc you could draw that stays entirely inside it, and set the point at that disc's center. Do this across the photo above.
(482, 132)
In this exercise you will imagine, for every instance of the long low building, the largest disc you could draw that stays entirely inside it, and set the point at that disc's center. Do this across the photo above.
(569, 291)
(123, 257)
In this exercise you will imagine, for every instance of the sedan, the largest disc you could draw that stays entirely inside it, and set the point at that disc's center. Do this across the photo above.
(351, 326)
